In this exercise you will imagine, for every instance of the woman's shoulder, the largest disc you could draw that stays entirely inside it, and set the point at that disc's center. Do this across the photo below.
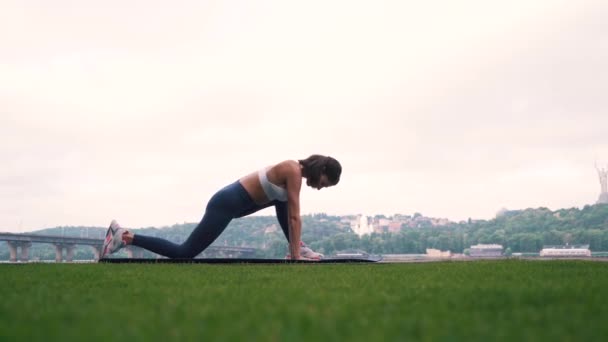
(290, 163)
(287, 167)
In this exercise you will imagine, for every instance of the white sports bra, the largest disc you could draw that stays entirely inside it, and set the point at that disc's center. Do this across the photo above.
(273, 191)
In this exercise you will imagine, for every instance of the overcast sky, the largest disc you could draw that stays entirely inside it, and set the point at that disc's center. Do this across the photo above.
(141, 110)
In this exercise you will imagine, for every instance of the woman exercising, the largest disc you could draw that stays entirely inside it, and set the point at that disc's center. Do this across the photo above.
(277, 185)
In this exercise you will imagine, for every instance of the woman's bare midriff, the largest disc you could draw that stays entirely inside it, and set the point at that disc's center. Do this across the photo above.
(251, 183)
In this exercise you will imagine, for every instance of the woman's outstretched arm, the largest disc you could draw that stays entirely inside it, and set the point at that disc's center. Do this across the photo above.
(294, 185)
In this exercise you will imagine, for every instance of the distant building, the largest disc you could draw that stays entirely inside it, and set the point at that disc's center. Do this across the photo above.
(566, 251)
(436, 253)
(402, 257)
(394, 227)
(350, 254)
(361, 225)
(481, 250)
(270, 229)
(603, 176)
(441, 222)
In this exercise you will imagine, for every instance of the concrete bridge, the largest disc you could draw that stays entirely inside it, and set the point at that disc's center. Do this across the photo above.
(19, 245)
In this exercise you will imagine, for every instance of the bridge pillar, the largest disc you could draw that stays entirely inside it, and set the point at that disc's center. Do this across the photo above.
(134, 252)
(58, 252)
(12, 248)
(69, 255)
(19, 250)
(97, 251)
(25, 251)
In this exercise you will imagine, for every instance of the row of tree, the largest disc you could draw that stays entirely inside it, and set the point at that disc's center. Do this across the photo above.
(526, 231)
(518, 231)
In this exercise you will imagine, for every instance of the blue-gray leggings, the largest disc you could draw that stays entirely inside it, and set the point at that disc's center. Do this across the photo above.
(232, 201)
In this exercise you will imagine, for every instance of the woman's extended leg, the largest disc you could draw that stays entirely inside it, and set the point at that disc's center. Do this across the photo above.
(210, 227)
(225, 205)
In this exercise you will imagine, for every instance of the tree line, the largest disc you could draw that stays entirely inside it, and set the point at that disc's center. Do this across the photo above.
(525, 231)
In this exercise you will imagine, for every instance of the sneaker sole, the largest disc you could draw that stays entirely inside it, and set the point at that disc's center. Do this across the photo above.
(106, 242)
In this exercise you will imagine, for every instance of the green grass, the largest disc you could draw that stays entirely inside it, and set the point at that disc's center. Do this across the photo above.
(510, 300)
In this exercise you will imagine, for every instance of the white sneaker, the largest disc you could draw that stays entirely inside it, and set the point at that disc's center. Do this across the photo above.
(113, 241)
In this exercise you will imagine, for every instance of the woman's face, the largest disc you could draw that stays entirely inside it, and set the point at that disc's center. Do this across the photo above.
(322, 183)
